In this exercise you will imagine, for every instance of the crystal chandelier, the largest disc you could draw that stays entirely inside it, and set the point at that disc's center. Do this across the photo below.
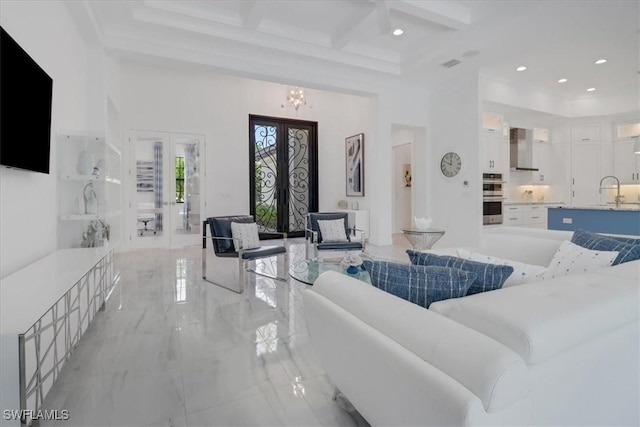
(296, 98)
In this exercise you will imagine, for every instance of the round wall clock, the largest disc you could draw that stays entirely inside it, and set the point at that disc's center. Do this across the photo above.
(450, 164)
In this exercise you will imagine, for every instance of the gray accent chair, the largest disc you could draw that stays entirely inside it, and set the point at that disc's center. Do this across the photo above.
(313, 236)
(226, 267)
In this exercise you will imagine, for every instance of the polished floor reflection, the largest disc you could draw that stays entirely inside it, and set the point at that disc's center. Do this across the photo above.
(173, 350)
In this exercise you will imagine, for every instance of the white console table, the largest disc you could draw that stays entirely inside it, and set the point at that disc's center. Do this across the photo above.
(45, 308)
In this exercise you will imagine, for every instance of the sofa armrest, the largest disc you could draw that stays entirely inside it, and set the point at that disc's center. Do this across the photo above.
(491, 371)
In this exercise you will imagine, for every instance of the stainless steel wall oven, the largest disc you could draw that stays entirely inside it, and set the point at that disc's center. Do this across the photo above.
(492, 198)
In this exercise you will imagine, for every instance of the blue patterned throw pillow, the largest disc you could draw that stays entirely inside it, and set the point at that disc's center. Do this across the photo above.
(418, 284)
(490, 276)
(628, 251)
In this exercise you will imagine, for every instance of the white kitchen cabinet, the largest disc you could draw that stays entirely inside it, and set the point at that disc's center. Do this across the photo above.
(495, 153)
(513, 215)
(492, 122)
(89, 190)
(585, 173)
(584, 132)
(526, 215)
(541, 160)
(536, 216)
(626, 163)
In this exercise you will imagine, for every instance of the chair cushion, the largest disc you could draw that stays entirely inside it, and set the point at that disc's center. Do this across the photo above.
(572, 259)
(418, 284)
(627, 251)
(332, 230)
(340, 246)
(490, 276)
(313, 217)
(220, 226)
(247, 233)
(263, 251)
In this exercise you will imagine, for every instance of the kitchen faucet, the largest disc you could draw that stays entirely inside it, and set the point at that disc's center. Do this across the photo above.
(618, 187)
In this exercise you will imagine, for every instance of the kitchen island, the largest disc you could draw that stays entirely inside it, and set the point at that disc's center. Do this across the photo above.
(624, 219)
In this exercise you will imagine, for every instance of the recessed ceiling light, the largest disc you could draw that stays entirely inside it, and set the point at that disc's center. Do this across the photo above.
(591, 89)
(601, 61)
(398, 32)
(562, 81)
(521, 68)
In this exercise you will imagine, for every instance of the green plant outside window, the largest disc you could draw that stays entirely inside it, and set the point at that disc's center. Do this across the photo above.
(179, 179)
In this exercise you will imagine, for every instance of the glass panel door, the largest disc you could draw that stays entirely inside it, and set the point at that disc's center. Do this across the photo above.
(265, 177)
(298, 182)
(284, 179)
(165, 198)
(185, 185)
(150, 213)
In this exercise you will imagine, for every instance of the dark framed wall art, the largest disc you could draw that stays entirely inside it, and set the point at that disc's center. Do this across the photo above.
(354, 150)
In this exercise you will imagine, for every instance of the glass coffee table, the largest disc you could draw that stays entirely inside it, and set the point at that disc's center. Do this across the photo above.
(307, 271)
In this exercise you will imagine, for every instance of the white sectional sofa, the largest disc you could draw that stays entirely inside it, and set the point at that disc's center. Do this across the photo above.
(563, 351)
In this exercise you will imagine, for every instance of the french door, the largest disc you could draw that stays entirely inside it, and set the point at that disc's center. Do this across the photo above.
(165, 189)
(283, 173)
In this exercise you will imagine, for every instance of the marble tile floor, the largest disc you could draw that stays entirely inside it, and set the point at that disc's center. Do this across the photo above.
(173, 350)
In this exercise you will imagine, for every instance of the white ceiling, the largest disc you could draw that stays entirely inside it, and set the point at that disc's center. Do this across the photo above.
(554, 39)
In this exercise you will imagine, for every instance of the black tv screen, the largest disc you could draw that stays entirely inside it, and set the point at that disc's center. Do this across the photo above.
(25, 109)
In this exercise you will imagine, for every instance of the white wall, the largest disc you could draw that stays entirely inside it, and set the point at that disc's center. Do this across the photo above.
(454, 125)
(28, 211)
(218, 106)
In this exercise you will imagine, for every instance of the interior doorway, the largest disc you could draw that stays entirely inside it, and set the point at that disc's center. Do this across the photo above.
(402, 186)
(165, 189)
(283, 173)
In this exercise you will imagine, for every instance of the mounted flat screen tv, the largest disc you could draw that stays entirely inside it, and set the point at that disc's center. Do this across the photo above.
(25, 109)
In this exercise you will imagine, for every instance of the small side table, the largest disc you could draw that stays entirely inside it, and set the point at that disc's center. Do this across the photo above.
(422, 239)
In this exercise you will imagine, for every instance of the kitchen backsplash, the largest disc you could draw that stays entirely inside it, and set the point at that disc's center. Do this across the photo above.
(529, 193)
(631, 193)
(546, 193)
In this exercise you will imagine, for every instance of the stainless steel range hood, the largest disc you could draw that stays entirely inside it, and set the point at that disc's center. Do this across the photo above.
(521, 150)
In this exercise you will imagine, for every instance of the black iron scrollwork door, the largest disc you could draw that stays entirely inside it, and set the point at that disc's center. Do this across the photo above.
(283, 173)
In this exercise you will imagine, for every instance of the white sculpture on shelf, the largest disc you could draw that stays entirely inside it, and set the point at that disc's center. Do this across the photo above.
(97, 234)
(90, 199)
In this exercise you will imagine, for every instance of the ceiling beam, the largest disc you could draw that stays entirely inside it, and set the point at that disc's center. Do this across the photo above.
(349, 28)
(240, 41)
(252, 13)
(383, 18)
(446, 13)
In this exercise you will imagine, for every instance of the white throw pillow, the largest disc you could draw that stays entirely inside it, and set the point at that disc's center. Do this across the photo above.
(571, 259)
(247, 232)
(332, 230)
(522, 273)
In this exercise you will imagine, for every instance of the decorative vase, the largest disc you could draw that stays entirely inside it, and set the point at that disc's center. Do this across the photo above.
(352, 269)
(85, 163)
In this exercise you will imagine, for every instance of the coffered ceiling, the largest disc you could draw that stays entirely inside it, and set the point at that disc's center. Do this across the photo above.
(553, 39)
